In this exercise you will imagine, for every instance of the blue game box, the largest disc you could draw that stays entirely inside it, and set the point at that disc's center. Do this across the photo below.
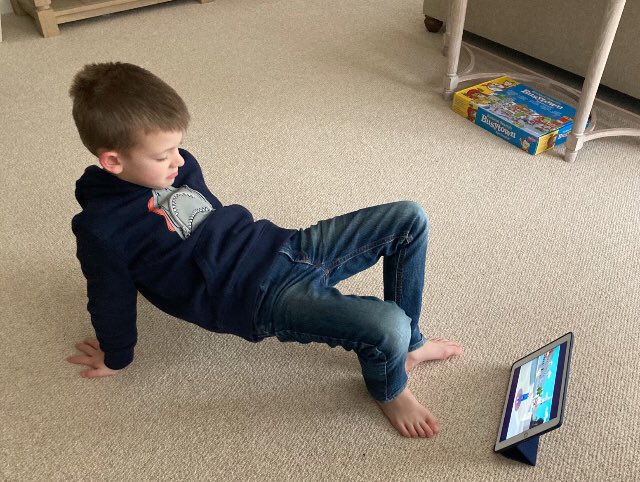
(523, 116)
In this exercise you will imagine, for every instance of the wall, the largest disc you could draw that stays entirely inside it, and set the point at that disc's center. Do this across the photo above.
(5, 6)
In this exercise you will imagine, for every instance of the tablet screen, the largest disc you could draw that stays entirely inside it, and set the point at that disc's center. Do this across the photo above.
(536, 392)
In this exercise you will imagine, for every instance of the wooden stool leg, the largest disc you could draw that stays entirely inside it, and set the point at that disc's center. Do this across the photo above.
(575, 139)
(46, 22)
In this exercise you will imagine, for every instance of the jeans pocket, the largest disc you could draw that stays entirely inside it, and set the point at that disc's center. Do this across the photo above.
(297, 256)
(291, 248)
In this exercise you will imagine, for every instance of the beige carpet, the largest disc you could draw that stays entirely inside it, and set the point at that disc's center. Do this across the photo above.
(302, 111)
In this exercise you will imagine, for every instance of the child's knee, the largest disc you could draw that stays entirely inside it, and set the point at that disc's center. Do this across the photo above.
(420, 216)
(415, 214)
(393, 331)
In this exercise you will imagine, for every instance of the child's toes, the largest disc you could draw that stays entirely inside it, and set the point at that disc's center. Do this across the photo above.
(427, 429)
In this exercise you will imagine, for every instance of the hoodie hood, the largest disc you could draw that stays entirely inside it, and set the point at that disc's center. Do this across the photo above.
(98, 184)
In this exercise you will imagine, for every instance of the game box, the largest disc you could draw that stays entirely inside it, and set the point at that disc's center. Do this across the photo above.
(523, 116)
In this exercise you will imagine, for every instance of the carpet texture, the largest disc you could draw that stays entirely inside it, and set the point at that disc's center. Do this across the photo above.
(303, 111)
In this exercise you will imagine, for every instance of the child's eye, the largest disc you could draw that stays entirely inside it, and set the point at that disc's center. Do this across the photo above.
(163, 159)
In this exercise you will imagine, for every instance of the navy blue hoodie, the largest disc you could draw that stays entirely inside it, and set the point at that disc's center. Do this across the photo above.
(205, 269)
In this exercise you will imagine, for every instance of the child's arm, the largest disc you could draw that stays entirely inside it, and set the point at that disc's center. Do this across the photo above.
(112, 305)
(93, 358)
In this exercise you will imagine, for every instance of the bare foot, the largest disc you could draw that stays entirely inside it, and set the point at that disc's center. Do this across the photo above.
(409, 417)
(433, 349)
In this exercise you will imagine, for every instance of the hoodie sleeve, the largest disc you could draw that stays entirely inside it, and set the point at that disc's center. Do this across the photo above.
(112, 299)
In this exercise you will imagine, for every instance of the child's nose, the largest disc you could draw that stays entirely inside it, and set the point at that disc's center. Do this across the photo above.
(178, 161)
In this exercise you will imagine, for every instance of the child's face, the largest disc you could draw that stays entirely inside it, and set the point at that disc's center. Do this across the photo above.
(154, 161)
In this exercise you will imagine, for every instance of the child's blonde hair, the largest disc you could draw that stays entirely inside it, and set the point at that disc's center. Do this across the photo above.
(115, 102)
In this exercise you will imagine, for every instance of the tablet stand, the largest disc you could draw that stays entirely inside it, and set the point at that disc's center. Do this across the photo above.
(525, 452)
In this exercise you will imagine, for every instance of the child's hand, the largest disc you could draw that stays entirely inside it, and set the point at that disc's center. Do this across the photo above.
(93, 357)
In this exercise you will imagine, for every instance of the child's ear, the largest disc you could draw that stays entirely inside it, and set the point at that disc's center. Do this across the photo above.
(110, 161)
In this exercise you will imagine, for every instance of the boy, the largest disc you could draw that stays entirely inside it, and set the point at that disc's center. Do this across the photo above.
(149, 224)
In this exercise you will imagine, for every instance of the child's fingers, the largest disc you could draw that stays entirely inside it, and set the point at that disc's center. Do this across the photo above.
(93, 373)
(92, 342)
(85, 348)
(80, 360)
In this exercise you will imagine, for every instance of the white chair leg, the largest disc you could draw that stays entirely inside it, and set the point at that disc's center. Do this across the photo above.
(455, 26)
(447, 32)
(575, 139)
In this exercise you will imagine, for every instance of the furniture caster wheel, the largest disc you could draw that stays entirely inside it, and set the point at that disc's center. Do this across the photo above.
(433, 24)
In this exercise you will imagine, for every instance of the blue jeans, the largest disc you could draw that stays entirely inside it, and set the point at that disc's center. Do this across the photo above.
(300, 302)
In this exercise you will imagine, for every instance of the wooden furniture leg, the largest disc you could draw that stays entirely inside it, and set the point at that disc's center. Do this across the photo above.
(17, 8)
(576, 138)
(46, 19)
(433, 24)
(455, 27)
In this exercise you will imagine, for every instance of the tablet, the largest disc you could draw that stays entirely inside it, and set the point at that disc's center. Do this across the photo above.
(536, 393)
